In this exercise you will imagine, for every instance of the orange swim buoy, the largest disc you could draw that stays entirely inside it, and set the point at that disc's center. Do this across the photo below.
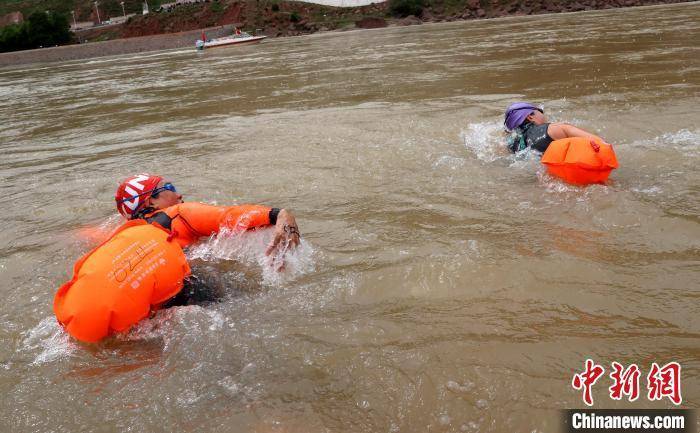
(580, 161)
(118, 283)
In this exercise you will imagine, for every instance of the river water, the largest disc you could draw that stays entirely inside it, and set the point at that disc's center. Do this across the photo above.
(443, 284)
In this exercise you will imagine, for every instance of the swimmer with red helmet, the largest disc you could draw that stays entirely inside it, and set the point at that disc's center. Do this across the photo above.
(141, 268)
(156, 200)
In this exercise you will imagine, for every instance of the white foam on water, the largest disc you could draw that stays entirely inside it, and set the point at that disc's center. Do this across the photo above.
(662, 165)
(50, 340)
(650, 191)
(195, 319)
(485, 140)
(154, 327)
(450, 162)
(685, 140)
(558, 188)
(527, 159)
(554, 185)
(249, 248)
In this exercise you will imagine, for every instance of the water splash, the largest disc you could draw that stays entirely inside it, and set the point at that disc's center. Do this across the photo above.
(449, 162)
(193, 318)
(554, 185)
(651, 191)
(526, 159)
(249, 248)
(565, 191)
(50, 340)
(157, 326)
(685, 140)
(485, 140)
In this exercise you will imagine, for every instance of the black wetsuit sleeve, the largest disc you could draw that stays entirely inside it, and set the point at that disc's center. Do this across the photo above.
(195, 291)
(273, 215)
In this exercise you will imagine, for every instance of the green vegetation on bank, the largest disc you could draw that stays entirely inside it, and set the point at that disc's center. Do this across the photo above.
(404, 8)
(38, 30)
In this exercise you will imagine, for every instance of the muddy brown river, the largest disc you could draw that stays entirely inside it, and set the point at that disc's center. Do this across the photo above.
(443, 284)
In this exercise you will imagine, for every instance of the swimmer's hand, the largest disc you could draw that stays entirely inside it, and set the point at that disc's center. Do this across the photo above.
(286, 234)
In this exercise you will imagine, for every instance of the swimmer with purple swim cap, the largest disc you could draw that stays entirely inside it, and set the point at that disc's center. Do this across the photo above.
(528, 127)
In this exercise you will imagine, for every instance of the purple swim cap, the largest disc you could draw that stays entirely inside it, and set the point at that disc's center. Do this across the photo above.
(516, 114)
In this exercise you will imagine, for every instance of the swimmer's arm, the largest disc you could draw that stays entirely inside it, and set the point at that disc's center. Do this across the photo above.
(246, 217)
(286, 232)
(205, 220)
(557, 131)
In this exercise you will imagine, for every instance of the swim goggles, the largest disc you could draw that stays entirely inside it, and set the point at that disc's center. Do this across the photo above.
(166, 187)
(154, 192)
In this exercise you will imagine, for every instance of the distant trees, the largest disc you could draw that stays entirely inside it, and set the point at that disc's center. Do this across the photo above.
(41, 29)
(111, 8)
(404, 8)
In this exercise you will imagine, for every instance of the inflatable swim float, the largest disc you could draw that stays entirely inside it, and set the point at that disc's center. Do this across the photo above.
(121, 281)
(580, 161)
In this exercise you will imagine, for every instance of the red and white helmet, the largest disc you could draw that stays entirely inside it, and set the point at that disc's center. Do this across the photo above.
(132, 193)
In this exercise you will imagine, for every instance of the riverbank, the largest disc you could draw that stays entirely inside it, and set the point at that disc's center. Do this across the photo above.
(111, 47)
(180, 27)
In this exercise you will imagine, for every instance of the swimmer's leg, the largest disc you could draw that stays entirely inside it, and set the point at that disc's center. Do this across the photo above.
(194, 292)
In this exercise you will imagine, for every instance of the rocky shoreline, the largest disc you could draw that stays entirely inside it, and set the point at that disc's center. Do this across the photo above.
(180, 28)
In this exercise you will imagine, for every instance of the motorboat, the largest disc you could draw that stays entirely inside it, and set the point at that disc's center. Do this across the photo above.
(236, 38)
